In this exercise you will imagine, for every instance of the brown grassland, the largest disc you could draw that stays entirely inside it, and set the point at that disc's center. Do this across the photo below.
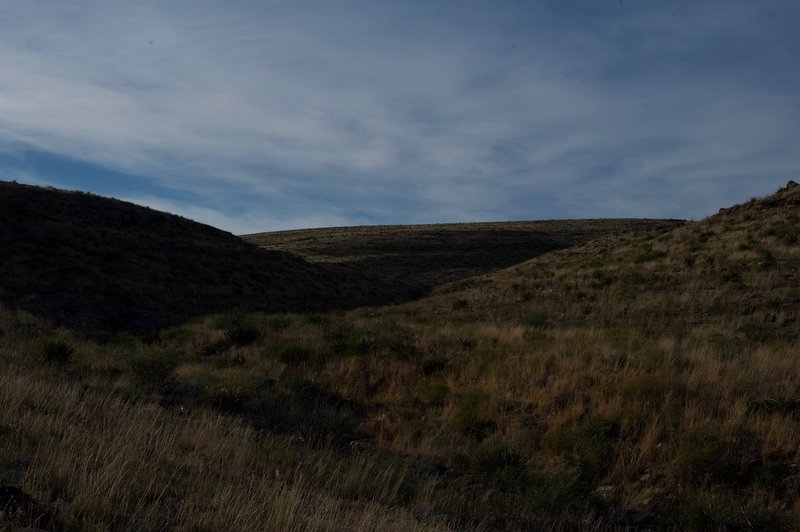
(646, 379)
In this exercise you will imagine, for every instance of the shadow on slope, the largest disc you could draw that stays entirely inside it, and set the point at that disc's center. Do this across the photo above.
(96, 262)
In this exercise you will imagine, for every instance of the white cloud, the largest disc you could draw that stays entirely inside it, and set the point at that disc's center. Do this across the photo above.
(392, 112)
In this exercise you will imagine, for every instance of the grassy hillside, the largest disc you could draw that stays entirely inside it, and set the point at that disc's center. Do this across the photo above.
(413, 259)
(100, 263)
(641, 380)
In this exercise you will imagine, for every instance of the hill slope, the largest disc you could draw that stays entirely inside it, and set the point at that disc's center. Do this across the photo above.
(100, 262)
(639, 381)
(417, 258)
(740, 267)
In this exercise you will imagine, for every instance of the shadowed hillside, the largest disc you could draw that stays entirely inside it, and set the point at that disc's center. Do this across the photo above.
(99, 262)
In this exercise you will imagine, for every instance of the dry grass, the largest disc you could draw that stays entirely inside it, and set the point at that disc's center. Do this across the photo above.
(102, 462)
(643, 376)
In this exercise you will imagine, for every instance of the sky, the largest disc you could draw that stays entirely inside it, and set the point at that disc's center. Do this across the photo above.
(267, 115)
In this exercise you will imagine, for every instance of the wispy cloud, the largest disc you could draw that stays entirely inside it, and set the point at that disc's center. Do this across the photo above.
(366, 112)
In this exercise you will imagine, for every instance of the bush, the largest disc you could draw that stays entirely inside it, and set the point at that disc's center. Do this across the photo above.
(152, 369)
(57, 351)
(297, 406)
(469, 417)
(432, 393)
(228, 361)
(433, 365)
(704, 511)
(703, 456)
(345, 339)
(500, 464)
(589, 447)
(226, 399)
(241, 335)
(294, 355)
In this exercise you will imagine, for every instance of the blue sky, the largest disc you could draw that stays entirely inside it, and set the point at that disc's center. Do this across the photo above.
(265, 115)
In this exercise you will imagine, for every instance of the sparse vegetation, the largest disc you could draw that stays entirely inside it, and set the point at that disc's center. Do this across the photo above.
(606, 386)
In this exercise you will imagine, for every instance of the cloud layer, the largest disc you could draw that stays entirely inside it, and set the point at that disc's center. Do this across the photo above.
(267, 115)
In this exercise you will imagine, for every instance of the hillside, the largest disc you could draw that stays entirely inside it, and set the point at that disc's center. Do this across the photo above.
(100, 263)
(97, 262)
(642, 380)
(414, 259)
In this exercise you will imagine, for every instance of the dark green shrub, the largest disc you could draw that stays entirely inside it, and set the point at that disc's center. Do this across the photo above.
(432, 393)
(696, 510)
(226, 399)
(459, 304)
(647, 254)
(431, 366)
(346, 339)
(601, 279)
(294, 355)
(552, 493)
(500, 464)
(469, 417)
(228, 361)
(240, 335)
(152, 369)
(536, 319)
(279, 322)
(401, 344)
(703, 456)
(57, 351)
(302, 408)
(588, 447)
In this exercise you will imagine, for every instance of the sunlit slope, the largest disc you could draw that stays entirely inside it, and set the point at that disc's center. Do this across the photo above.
(740, 268)
(413, 259)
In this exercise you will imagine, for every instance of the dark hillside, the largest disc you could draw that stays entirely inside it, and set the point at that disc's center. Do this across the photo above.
(99, 262)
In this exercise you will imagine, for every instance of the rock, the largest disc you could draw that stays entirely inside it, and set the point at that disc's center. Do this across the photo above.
(792, 184)
(362, 445)
(606, 492)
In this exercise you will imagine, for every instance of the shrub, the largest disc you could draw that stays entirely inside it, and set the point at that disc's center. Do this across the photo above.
(345, 339)
(705, 511)
(279, 322)
(500, 464)
(703, 456)
(431, 366)
(469, 418)
(152, 369)
(57, 351)
(294, 355)
(298, 406)
(459, 304)
(433, 393)
(226, 399)
(240, 335)
(589, 447)
(228, 361)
